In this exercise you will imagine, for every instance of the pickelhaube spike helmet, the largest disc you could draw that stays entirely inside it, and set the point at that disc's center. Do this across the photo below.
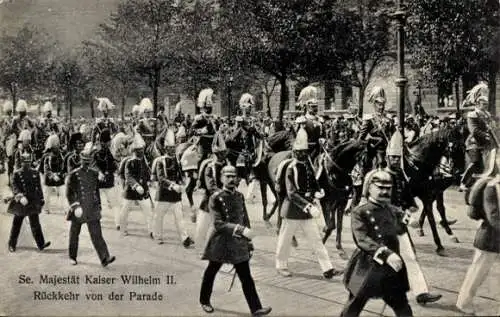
(477, 93)
(138, 142)
(377, 94)
(105, 104)
(21, 106)
(246, 101)
(52, 142)
(47, 107)
(218, 144)
(8, 106)
(300, 119)
(88, 151)
(205, 98)
(301, 142)
(378, 177)
(136, 109)
(25, 135)
(146, 105)
(239, 119)
(229, 170)
(178, 107)
(395, 146)
(308, 96)
(181, 133)
(169, 138)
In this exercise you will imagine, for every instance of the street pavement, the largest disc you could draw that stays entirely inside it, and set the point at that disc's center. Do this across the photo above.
(180, 271)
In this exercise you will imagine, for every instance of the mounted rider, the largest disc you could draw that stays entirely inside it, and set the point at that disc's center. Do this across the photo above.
(481, 138)
(378, 127)
(104, 122)
(308, 99)
(48, 122)
(146, 124)
(181, 124)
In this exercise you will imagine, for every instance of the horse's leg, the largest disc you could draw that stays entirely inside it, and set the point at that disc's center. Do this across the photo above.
(421, 222)
(189, 194)
(340, 221)
(442, 213)
(432, 222)
(328, 212)
(263, 194)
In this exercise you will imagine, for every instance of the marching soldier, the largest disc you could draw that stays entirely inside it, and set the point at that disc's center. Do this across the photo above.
(104, 122)
(52, 170)
(85, 207)
(136, 189)
(106, 165)
(28, 202)
(308, 98)
(481, 138)
(377, 127)
(232, 232)
(483, 204)
(210, 180)
(167, 171)
(299, 208)
(402, 198)
(72, 159)
(376, 269)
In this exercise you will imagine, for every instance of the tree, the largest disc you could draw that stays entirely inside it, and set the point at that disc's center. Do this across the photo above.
(24, 59)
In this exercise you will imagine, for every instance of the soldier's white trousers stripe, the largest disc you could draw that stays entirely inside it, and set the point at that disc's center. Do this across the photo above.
(161, 208)
(416, 278)
(204, 228)
(476, 274)
(311, 231)
(107, 196)
(128, 205)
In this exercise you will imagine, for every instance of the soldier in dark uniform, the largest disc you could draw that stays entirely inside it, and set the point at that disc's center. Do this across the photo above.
(28, 201)
(50, 124)
(484, 205)
(72, 159)
(376, 269)
(85, 207)
(203, 127)
(308, 99)
(104, 122)
(480, 139)
(379, 128)
(232, 232)
(168, 173)
(24, 146)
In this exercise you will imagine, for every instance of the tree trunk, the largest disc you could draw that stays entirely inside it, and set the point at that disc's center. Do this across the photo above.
(457, 98)
(283, 96)
(492, 83)
(91, 105)
(468, 81)
(268, 101)
(122, 110)
(361, 99)
(13, 93)
(69, 100)
(329, 94)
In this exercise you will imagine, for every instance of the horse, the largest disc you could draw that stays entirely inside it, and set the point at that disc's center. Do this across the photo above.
(420, 161)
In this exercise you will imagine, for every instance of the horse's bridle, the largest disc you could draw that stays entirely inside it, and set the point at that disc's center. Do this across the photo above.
(336, 166)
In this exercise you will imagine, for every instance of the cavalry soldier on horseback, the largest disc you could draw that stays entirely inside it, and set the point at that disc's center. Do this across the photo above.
(146, 125)
(168, 173)
(52, 168)
(402, 198)
(49, 122)
(308, 98)
(210, 172)
(299, 208)
(21, 121)
(377, 127)
(481, 137)
(104, 122)
(203, 127)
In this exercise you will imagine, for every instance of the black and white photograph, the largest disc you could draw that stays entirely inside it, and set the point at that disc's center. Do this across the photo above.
(250, 158)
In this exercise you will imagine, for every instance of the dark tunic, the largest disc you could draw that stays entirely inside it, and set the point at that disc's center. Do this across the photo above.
(106, 164)
(136, 172)
(28, 183)
(207, 138)
(488, 235)
(53, 164)
(224, 247)
(83, 188)
(212, 181)
(168, 172)
(374, 226)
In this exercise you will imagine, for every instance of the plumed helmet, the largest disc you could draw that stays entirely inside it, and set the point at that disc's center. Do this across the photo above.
(239, 119)
(25, 135)
(181, 133)
(8, 106)
(205, 98)
(377, 176)
(88, 151)
(246, 101)
(308, 96)
(137, 142)
(21, 106)
(394, 148)
(75, 137)
(26, 157)
(52, 142)
(301, 119)
(169, 138)
(178, 107)
(105, 136)
(477, 93)
(136, 109)
(84, 128)
(146, 105)
(229, 170)
(377, 94)
(47, 107)
(105, 104)
(198, 117)
(301, 142)
(218, 144)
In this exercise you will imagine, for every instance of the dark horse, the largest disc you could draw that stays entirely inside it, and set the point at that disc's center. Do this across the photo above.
(420, 162)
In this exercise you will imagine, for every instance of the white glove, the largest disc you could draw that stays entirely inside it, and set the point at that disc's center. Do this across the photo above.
(139, 189)
(55, 177)
(101, 176)
(247, 232)
(78, 212)
(314, 211)
(204, 130)
(395, 262)
(24, 201)
(319, 194)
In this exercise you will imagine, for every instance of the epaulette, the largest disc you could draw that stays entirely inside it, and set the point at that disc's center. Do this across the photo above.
(217, 193)
(367, 116)
(472, 114)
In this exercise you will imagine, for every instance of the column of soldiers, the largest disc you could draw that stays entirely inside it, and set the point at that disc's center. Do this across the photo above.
(381, 207)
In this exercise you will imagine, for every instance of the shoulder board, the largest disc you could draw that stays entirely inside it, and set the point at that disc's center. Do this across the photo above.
(74, 171)
(367, 116)
(472, 114)
(217, 192)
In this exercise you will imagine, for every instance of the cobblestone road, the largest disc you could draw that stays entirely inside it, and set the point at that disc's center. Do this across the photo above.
(304, 294)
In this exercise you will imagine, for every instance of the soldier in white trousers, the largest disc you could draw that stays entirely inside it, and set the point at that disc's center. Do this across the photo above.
(167, 171)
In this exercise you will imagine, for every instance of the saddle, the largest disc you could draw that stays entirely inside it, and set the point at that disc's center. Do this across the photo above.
(280, 176)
